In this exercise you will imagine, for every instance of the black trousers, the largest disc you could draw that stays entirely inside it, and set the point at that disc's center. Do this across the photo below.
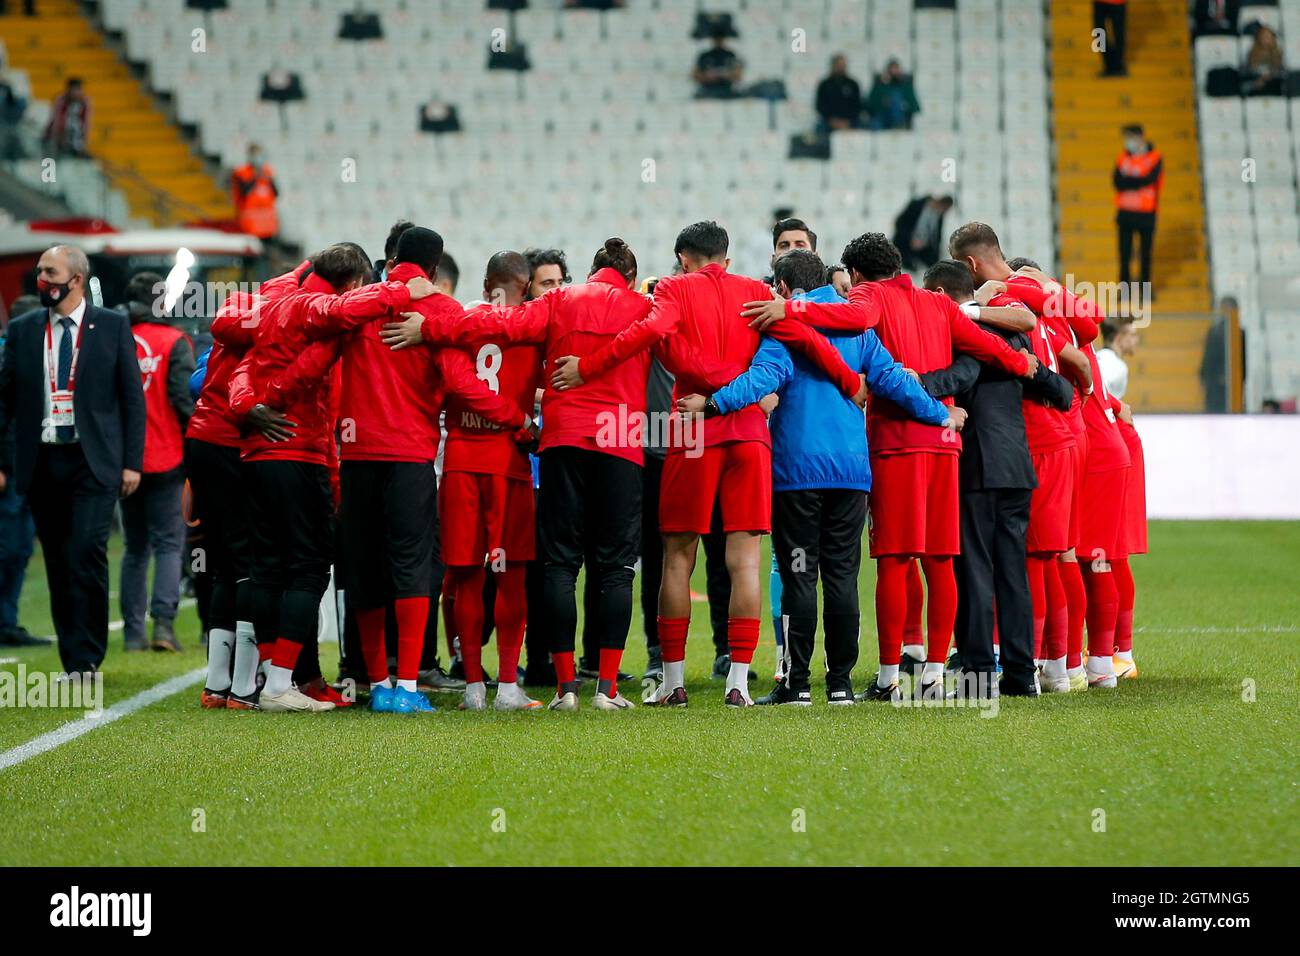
(1112, 15)
(291, 512)
(652, 549)
(1144, 225)
(818, 533)
(588, 500)
(389, 518)
(221, 509)
(73, 513)
(991, 567)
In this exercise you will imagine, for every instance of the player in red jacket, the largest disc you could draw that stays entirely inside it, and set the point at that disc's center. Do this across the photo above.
(699, 336)
(287, 387)
(487, 508)
(212, 440)
(589, 499)
(389, 415)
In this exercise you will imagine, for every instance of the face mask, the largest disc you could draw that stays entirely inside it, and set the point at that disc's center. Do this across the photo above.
(52, 293)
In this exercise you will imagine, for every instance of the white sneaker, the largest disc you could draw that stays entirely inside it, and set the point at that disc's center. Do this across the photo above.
(1101, 672)
(475, 697)
(568, 703)
(617, 702)
(512, 697)
(292, 701)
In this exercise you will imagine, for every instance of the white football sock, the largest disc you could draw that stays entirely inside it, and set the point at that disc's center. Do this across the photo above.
(221, 649)
(1054, 668)
(888, 675)
(674, 674)
(915, 651)
(246, 660)
(933, 669)
(1074, 671)
(385, 683)
(1122, 655)
(737, 676)
(278, 680)
(1101, 666)
(406, 685)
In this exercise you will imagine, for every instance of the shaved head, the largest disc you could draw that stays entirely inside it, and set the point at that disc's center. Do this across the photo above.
(506, 280)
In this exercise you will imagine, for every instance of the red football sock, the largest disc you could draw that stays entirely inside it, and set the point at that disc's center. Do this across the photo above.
(1124, 621)
(564, 672)
(265, 650)
(891, 606)
(412, 617)
(1058, 617)
(370, 623)
(1103, 609)
(1038, 597)
(941, 612)
(286, 653)
(610, 658)
(1076, 603)
(912, 633)
(742, 639)
(672, 638)
(467, 593)
(511, 613)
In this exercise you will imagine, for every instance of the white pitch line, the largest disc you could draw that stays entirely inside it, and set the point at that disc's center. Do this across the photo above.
(76, 728)
(1267, 629)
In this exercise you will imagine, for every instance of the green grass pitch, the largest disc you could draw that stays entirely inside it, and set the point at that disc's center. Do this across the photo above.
(1195, 763)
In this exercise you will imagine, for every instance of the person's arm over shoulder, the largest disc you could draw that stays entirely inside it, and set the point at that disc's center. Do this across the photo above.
(235, 323)
(327, 315)
(446, 323)
(180, 366)
(771, 369)
(130, 398)
(459, 378)
(984, 345)
(817, 349)
(1051, 387)
(886, 378)
(305, 372)
(241, 396)
(662, 318)
(857, 315)
(956, 378)
(282, 284)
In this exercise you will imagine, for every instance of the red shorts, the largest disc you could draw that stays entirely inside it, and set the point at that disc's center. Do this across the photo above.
(737, 475)
(1049, 508)
(1080, 453)
(913, 505)
(1135, 509)
(1102, 536)
(486, 518)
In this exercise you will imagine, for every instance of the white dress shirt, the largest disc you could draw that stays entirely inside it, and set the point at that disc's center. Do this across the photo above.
(1114, 371)
(50, 359)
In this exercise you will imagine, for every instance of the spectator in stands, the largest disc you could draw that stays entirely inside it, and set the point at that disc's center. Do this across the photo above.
(15, 92)
(69, 125)
(1119, 342)
(594, 4)
(549, 269)
(17, 532)
(1111, 14)
(1262, 73)
(448, 275)
(839, 98)
(1216, 17)
(153, 522)
(892, 101)
(437, 116)
(253, 189)
(1139, 173)
(717, 71)
(1216, 361)
(918, 231)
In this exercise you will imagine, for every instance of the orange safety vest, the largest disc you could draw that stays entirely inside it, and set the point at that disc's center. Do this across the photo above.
(257, 215)
(1145, 198)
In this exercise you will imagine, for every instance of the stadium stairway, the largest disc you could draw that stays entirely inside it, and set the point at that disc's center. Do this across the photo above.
(142, 153)
(1088, 111)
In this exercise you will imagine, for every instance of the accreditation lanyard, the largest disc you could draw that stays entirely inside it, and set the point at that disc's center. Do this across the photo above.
(61, 398)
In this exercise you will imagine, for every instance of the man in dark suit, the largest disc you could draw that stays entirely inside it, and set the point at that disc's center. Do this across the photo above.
(996, 478)
(918, 230)
(70, 384)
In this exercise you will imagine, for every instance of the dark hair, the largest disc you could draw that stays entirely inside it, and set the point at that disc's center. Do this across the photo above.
(547, 257)
(973, 239)
(615, 254)
(140, 294)
(447, 269)
(506, 266)
(832, 269)
(793, 225)
(802, 270)
(873, 256)
(419, 246)
(1019, 262)
(1112, 326)
(390, 244)
(341, 264)
(707, 240)
(1134, 128)
(954, 277)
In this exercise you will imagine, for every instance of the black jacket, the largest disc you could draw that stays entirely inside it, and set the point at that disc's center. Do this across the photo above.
(995, 449)
(109, 400)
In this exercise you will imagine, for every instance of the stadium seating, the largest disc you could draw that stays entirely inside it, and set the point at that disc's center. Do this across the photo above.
(1251, 149)
(603, 134)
